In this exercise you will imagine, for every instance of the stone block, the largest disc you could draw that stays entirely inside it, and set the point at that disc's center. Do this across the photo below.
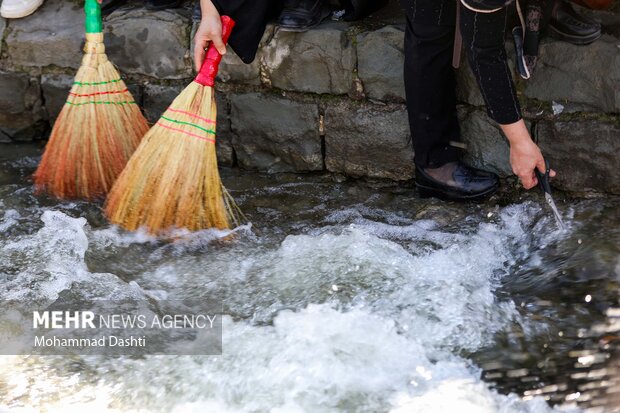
(225, 152)
(368, 141)
(321, 60)
(55, 88)
(157, 98)
(2, 28)
(136, 91)
(585, 154)
(52, 36)
(587, 75)
(274, 134)
(232, 68)
(486, 146)
(150, 43)
(380, 56)
(21, 113)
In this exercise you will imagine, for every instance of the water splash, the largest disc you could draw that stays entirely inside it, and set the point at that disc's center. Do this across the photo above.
(386, 338)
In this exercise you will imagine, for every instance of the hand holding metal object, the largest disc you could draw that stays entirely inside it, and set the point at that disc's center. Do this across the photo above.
(543, 182)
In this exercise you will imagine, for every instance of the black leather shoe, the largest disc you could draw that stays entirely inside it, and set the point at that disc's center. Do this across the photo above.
(162, 4)
(301, 15)
(467, 184)
(566, 24)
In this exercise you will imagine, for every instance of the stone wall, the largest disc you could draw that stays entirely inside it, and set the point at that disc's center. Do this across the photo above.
(331, 99)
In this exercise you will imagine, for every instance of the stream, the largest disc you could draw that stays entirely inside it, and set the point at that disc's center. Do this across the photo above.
(339, 297)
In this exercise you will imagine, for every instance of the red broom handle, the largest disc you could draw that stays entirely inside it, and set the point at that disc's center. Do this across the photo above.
(211, 64)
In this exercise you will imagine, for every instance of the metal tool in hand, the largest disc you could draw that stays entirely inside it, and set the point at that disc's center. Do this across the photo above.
(543, 182)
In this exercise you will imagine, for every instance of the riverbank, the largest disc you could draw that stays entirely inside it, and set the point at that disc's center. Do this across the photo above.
(330, 100)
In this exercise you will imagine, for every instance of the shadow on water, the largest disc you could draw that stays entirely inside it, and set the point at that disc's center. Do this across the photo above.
(545, 302)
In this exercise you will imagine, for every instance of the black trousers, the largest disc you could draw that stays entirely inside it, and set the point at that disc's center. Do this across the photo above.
(430, 81)
(431, 96)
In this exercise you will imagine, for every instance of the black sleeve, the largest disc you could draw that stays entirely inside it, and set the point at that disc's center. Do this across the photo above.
(251, 17)
(484, 37)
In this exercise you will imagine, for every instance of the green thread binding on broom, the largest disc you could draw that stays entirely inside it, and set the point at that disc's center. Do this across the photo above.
(97, 83)
(98, 102)
(212, 132)
(94, 24)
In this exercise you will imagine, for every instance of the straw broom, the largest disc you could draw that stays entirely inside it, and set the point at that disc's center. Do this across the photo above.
(172, 180)
(98, 129)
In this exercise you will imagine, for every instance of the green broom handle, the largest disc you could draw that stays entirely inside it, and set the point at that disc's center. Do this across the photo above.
(94, 24)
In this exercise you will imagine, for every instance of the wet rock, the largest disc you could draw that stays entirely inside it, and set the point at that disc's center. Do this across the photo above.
(588, 75)
(225, 152)
(381, 58)
(2, 28)
(55, 91)
(150, 43)
(21, 113)
(275, 134)
(486, 146)
(52, 36)
(157, 98)
(586, 154)
(321, 60)
(136, 91)
(368, 140)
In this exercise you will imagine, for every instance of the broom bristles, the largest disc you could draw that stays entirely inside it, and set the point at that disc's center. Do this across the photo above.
(96, 132)
(172, 180)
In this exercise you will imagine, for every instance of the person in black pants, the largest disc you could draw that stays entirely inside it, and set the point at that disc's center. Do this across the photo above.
(431, 96)
(252, 17)
(429, 80)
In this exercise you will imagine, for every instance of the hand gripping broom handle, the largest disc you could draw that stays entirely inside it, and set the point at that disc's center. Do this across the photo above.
(210, 66)
(94, 23)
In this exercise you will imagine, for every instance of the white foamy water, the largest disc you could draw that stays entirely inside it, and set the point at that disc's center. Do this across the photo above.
(355, 316)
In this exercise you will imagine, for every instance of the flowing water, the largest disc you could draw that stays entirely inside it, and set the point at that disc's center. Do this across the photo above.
(340, 297)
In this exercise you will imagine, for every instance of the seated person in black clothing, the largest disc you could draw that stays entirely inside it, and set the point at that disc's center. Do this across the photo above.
(301, 15)
(107, 6)
(429, 83)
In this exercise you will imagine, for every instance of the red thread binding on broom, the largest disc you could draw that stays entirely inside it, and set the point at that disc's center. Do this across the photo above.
(211, 64)
(193, 115)
(193, 135)
(83, 95)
